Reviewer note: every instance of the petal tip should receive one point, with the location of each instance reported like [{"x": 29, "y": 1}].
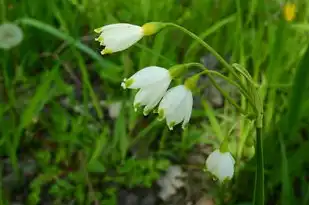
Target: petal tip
[
  {"x": 106, "y": 51},
  {"x": 171, "y": 125},
  {"x": 98, "y": 30},
  {"x": 184, "y": 126},
  {"x": 123, "y": 85}
]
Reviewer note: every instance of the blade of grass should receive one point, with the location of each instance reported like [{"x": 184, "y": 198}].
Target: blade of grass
[
  {"x": 192, "y": 48},
  {"x": 39, "y": 99},
  {"x": 3, "y": 10},
  {"x": 121, "y": 139},
  {"x": 158, "y": 46},
  {"x": 213, "y": 120},
  {"x": 297, "y": 97},
  {"x": 88, "y": 86},
  {"x": 33, "y": 108},
  {"x": 258, "y": 198},
  {"x": 99, "y": 145},
  {"x": 109, "y": 67},
  {"x": 287, "y": 192}
]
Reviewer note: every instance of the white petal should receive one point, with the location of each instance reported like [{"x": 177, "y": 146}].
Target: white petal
[
  {"x": 221, "y": 165},
  {"x": 149, "y": 75},
  {"x": 150, "y": 96},
  {"x": 231, "y": 158},
  {"x": 172, "y": 98},
  {"x": 142, "y": 96},
  {"x": 188, "y": 107},
  {"x": 117, "y": 26},
  {"x": 212, "y": 160},
  {"x": 117, "y": 43},
  {"x": 118, "y": 37},
  {"x": 225, "y": 168},
  {"x": 174, "y": 104},
  {"x": 157, "y": 94}
]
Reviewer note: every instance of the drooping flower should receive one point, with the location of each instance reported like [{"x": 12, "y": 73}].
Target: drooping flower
[
  {"x": 221, "y": 165},
  {"x": 120, "y": 36},
  {"x": 10, "y": 35},
  {"x": 176, "y": 106},
  {"x": 153, "y": 82}
]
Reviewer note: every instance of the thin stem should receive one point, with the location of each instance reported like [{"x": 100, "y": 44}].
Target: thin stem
[
  {"x": 216, "y": 54},
  {"x": 207, "y": 71},
  {"x": 2, "y": 11},
  {"x": 244, "y": 92},
  {"x": 208, "y": 47},
  {"x": 259, "y": 174},
  {"x": 225, "y": 95}
]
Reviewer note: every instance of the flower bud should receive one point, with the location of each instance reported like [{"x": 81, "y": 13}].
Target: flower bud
[{"x": 152, "y": 28}]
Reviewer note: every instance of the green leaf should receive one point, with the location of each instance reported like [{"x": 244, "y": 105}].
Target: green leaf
[
  {"x": 39, "y": 98},
  {"x": 122, "y": 141},
  {"x": 64, "y": 184},
  {"x": 287, "y": 191},
  {"x": 297, "y": 97},
  {"x": 96, "y": 166},
  {"x": 109, "y": 67}
]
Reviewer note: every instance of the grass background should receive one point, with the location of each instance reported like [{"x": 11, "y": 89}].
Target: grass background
[{"x": 53, "y": 85}]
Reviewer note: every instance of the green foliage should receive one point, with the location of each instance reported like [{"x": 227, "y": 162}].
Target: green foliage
[{"x": 55, "y": 90}]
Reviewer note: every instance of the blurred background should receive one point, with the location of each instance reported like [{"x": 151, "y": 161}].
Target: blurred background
[{"x": 69, "y": 133}]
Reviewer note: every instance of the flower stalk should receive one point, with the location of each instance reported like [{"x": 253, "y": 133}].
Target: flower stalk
[{"x": 259, "y": 174}]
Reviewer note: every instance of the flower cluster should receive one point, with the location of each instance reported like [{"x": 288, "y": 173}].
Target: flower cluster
[
  {"x": 153, "y": 82},
  {"x": 174, "y": 104}
]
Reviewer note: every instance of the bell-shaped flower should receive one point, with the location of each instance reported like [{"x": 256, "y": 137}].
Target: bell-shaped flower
[
  {"x": 120, "y": 36},
  {"x": 176, "y": 106},
  {"x": 153, "y": 83},
  {"x": 221, "y": 165}
]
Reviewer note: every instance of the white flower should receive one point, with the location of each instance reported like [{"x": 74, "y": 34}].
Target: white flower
[
  {"x": 118, "y": 37},
  {"x": 221, "y": 165},
  {"x": 10, "y": 35},
  {"x": 176, "y": 106},
  {"x": 153, "y": 82}
]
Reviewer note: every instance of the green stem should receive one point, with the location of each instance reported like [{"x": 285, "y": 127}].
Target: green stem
[
  {"x": 244, "y": 92},
  {"x": 217, "y": 55},
  {"x": 222, "y": 191},
  {"x": 208, "y": 47},
  {"x": 212, "y": 72},
  {"x": 226, "y": 96},
  {"x": 2, "y": 11},
  {"x": 259, "y": 174}
]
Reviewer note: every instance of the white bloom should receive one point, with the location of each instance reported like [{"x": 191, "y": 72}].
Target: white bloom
[
  {"x": 153, "y": 82},
  {"x": 10, "y": 35},
  {"x": 221, "y": 165},
  {"x": 118, "y": 37},
  {"x": 176, "y": 106}
]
